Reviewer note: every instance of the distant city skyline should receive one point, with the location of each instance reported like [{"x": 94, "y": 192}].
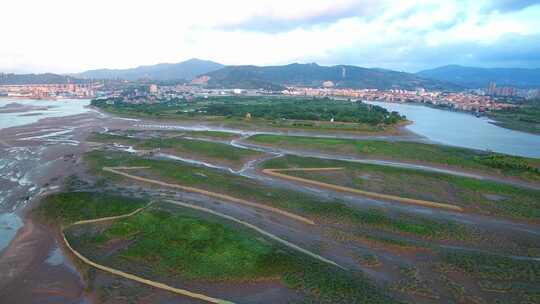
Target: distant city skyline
[{"x": 62, "y": 36}]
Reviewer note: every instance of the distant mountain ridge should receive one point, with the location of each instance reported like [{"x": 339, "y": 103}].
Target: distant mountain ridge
[
  {"x": 47, "y": 78},
  {"x": 473, "y": 77},
  {"x": 185, "y": 70},
  {"x": 314, "y": 75}
]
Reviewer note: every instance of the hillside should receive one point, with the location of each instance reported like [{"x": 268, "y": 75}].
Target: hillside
[
  {"x": 163, "y": 71},
  {"x": 314, "y": 75},
  {"x": 48, "y": 78},
  {"x": 480, "y": 77}
]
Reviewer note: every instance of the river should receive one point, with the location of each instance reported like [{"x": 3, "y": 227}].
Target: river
[
  {"x": 48, "y": 108},
  {"x": 465, "y": 130}
]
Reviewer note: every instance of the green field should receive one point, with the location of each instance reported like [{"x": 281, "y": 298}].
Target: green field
[
  {"x": 492, "y": 163},
  {"x": 180, "y": 245},
  {"x": 264, "y": 111},
  {"x": 198, "y": 149},
  {"x": 496, "y": 274},
  {"x": 70, "y": 207},
  {"x": 211, "y": 134},
  {"x": 242, "y": 187},
  {"x": 525, "y": 118},
  {"x": 477, "y": 195}
]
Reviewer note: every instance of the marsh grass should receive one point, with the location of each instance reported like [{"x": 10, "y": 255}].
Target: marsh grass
[
  {"x": 446, "y": 156},
  {"x": 481, "y": 196},
  {"x": 302, "y": 203}
]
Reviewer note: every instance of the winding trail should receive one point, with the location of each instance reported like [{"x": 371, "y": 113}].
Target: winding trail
[
  {"x": 116, "y": 170},
  {"x": 129, "y": 276},
  {"x": 259, "y": 230},
  {"x": 165, "y": 287},
  {"x": 241, "y": 143}
]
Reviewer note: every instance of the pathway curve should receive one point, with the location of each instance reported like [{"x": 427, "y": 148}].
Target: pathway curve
[
  {"x": 275, "y": 173},
  {"x": 116, "y": 170},
  {"x": 129, "y": 276}
]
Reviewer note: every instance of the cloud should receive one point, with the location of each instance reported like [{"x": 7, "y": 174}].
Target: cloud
[
  {"x": 509, "y": 5},
  {"x": 283, "y": 17},
  {"x": 399, "y": 34},
  {"x": 511, "y": 50}
]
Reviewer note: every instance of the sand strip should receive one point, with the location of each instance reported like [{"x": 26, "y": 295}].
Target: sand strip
[{"x": 275, "y": 173}]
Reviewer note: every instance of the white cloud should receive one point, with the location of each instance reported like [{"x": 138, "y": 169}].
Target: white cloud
[{"x": 70, "y": 36}]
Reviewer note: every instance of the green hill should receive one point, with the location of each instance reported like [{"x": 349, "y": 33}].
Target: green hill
[{"x": 314, "y": 75}]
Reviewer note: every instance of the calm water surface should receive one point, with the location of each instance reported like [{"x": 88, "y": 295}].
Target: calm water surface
[
  {"x": 465, "y": 130},
  {"x": 56, "y": 108}
]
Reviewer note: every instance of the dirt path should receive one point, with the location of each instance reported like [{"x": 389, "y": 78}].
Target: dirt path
[
  {"x": 275, "y": 173},
  {"x": 225, "y": 197},
  {"x": 165, "y": 287},
  {"x": 259, "y": 230},
  {"x": 129, "y": 276},
  {"x": 382, "y": 162}
]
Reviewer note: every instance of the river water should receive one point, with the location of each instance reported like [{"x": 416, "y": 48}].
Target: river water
[
  {"x": 54, "y": 108},
  {"x": 17, "y": 162},
  {"x": 465, "y": 130}
]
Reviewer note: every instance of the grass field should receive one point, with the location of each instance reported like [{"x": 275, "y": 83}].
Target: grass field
[
  {"x": 198, "y": 149},
  {"x": 492, "y": 163},
  {"x": 211, "y": 134},
  {"x": 70, "y": 207},
  {"x": 496, "y": 274},
  {"x": 182, "y": 245},
  {"x": 275, "y": 113},
  {"x": 300, "y": 203},
  {"x": 479, "y": 196},
  {"x": 524, "y": 118}
]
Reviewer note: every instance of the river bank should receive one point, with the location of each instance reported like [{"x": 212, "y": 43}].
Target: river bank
[
  {"x": 37, "y": 153},
  {"x": 465, "y": 130}
]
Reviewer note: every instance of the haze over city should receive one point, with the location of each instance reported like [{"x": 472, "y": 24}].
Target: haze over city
[{"x": 63, "y": 37}]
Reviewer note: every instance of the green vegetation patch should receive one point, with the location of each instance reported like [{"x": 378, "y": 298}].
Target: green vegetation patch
[
  {"x": 195, "y": 248},
  {"x": 521, "y": 167},
  {"x": 71, "y": 207},
  {"x": 175, "y": 244},
  {"x": 260, "y": 107},
  {"x": 298, "y": 202},
  {"x": 212, "y": 134},
  {"x": 491, "y": 266},
  {"x": 301, "y": 109},
  {"x": 198, "y": 148},
  {"x": 525, "y": 118},
  {"x": 480, "y": 195}
]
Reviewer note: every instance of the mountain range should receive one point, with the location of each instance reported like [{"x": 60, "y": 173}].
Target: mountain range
[
  {"x": 215, "y": 75},
  {"x": 314, "y": 75},
  {"x": 473, "y": 77},
  {"x": 47, "y": 78},
  {"x": 185, "y": 70}
]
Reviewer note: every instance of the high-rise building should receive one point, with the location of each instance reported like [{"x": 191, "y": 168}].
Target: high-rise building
[{"x": 492, "y": 88}]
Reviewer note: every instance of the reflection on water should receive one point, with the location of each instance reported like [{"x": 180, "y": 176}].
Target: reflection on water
[
  {"x": 56, "y": 108},
  {"x": 55, "y": 257},
  {"x": 465, "y": 130},
  {"x": 9, "y": 225}
]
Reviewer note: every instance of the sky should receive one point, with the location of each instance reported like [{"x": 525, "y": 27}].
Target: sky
[{"x": 68, "y": 36}]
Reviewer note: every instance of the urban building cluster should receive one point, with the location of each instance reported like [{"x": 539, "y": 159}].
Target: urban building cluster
[
  {"x": 153, "y": 93},
  {"x": 50, "y": 91},
  {"x": 479, "y": 100},
  {"x": 464, "y": 101}
]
